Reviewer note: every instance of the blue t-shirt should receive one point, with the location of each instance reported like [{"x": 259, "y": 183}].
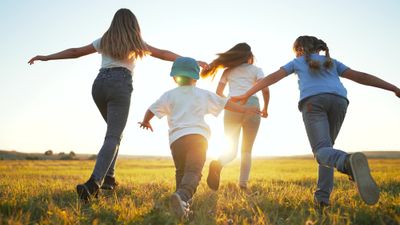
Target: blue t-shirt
[{"x": 317, "y": 82}]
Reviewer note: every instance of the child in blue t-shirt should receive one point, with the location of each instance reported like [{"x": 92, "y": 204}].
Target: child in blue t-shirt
[{"x": 323, "y": 104}]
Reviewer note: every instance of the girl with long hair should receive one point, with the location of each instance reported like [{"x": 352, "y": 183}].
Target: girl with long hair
[
  {"x": 241, "y": 75},
  {"x": 120, "y": 46}
]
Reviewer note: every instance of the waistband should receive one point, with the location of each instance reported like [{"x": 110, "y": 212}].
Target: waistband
[{"x": 120, "y": 68}]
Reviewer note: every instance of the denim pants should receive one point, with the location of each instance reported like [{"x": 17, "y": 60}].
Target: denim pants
[
  {"x": 111, "y": 92},
  {"x": 189, "y": 154},
  {"x": 235, "y": 122},
  {"x": 323, "y": 116}
]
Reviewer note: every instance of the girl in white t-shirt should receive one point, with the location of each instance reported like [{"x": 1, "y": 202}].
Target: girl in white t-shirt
[
  {"x": 241, "y": 75},
  {"x": 185, "y": 107},
  {"x": 120, "y": 46}
]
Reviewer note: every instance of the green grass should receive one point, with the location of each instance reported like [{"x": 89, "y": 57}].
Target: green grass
[{"x": 281, "y": 192}]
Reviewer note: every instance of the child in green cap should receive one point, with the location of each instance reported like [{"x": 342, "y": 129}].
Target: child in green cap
[{"x": 185, "y": 107}]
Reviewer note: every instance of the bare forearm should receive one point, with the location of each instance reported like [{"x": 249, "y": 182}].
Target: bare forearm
[
  {"x": 169, "y": 56},
  {"x": 266, "y": 81},
  {"x": 370, "y": 80},
  {"x": 265, "y": 92},
  {"x": 220, "y": 89},
  {"x": 148, "y": 116},
  {"x": 66, "y": 54}
]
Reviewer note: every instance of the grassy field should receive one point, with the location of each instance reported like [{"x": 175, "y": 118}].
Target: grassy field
[{"x": 43, "y": 192}]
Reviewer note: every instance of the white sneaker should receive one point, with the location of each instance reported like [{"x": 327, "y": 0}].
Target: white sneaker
[{"x": 179, "y": 207}]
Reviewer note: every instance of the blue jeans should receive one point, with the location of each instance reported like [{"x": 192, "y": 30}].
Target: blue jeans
[
  {"x": 235, "y": 122},
  {"x": 111, "y": 92},
  {"x": 323, "y": 116}
]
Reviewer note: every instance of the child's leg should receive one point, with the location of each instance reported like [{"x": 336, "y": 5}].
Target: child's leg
[
  {"x": 195, "y": 146},
  {"x": 179, "y": 157},
  {"x": 324, "y": 185},
  {"x": 315, "y": 117},
  {"x": 232, "y": 126},
  {"x": 316, "y": 121},
  {"x": 250, "y": 125}
]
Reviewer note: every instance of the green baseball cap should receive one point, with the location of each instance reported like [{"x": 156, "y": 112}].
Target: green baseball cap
[{"x": 186, "y": 67}]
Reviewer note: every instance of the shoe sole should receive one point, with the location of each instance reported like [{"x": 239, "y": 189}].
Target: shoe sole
[
  {"x": 213, "y": 177},
  {"x": 176, "y": 206},
  {"x": 366, "y": 185}
]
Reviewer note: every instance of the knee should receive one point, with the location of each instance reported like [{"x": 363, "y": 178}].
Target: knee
[
  {"x": 113, "y": 139},
  {"x": 321, "y": 156}
]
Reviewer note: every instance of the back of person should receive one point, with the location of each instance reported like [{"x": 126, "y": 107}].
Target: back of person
[
  {"x": 241, "y": 78},
  {"x": 313, "y": 82},
  {"x": 185, "y": 108},
  {"x": 240, "y": 74}
]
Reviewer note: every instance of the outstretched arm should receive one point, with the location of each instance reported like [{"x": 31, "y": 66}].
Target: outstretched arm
[
  {"x": 265, "y": 82},
  {"x": 145, "y": 124},
  {"x": 168, "y": 55},
  {"x": 66, "y": 54},
  {"x": 370, "y": 80}
]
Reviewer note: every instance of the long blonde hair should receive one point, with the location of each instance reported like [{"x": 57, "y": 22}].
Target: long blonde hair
[
  {"x": 236, "y": 56},
  {"x": 123, "y": 39},
  {"x": 306, "y": 45}
]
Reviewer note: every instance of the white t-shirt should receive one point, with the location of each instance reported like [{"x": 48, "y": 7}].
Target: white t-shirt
[
  {"x": 108, "y": 62},
  {"x": 185, "y": 108},
  {"x": 241, "y": 78}
]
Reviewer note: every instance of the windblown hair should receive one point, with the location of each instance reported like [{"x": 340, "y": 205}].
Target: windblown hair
[
  {"x": 123, "y": 39},
  {"x": 306, "y": 45},
  {"x": 239, "y": 54}
]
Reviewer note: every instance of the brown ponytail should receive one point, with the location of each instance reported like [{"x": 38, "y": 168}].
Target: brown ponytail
[{"x": 322, "y": 46}]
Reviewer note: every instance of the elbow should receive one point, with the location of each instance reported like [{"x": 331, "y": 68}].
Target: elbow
[{"x": 74, "y": 53}]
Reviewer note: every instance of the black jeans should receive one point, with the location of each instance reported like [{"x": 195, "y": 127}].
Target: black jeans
[
  {"x": 189, "y": 154},
  {"x": 111, "y": 92}
]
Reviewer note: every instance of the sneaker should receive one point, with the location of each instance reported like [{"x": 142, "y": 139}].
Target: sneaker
[
  {"x": 320, "y": 205},
  {"x": 109, "y": 183},
  {"x": 179, "y": 207},
  {"x": 357, "y": 168},
  {"x": 214, "y": 173},
  {"x": 243, "y": 187},
  {"x": 87, "y": 190}
]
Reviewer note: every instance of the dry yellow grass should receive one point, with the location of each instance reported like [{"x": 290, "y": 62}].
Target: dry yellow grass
[{"x": 43, "y": 192}]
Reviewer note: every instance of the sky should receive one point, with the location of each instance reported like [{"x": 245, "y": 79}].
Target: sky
[{"x": 49, "y": 105}]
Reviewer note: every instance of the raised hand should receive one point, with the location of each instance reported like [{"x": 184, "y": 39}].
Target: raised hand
[{"x": 146, "y": 126}]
